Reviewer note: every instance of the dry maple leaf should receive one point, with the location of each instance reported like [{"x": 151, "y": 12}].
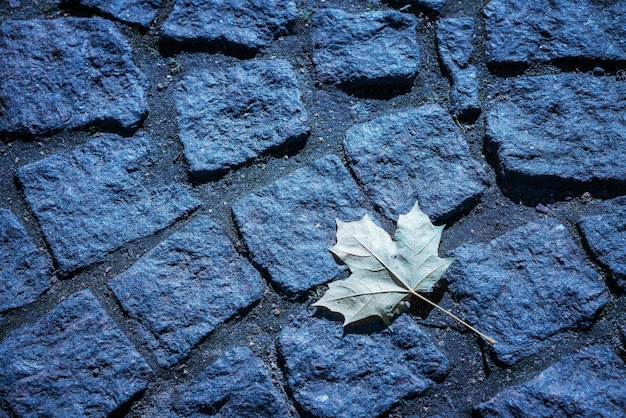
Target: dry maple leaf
[{"x": 386, "y": 272}]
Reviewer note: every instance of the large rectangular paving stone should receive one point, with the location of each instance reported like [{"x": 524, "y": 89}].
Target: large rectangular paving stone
[
  {"x": 332, "y": 373},
  {"x": 25, "y": 273},
  {"x": 415, "y": 154},
  {"x": 605, "y": 236},
  {"x": 227, "y": 118},
  {"x": 236, "y": 25},
  {"x": 560, "y": 132},
  {"x": 183, "y": 288},
  {"x": 73, "y": 362},
  {"x": 94, "y": 199},
  {"x": 289, "y": 225},
  {"x": 525, "y": 287},
  {"x": 522, "y": 31},
  {"x": 67, "y": 74},
  {"x": 591, "y": 383},
  {"x": 365, "y": 49}
]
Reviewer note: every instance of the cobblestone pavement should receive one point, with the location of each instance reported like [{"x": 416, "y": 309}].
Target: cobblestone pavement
[{"x": 171, "y": 173}]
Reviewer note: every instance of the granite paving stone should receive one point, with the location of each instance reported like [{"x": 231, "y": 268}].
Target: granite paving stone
[
  {"x": 229, "y": 117},
  {"x": 523, "y": 31},
  {"x": 237, "y": 385},
  {"x": 183, "y": 288},
  {"x": 332, "y": 373},
  {"x": 96, "y": 198},
  {"x": 525, "y": 287},
  {"x": 68, "y": 73},
  {"x": 140, "y": 12},
  {"x": 73, "y": 362},
  {"x": 236, "y": 25},
  {"x": 365, "y": 49},
  {"x": 591, "y": 383},
  {"x": 289, "y": 225},
  {"x": 415, "y": 154},
  {"x": 25, "y": 273},
  {"x": 605, "y": 236},
  {"x": 454, "y": 43},
  {"x": 560, "y": 132}
]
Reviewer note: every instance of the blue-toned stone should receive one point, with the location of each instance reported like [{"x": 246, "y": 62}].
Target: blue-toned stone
[
  {"x": 416, "y": 154},
  {"x": 605, "y": 236},
  {"x": 235, "y": 25},
  {"x": 365, "y": 49},
  {"x": 184, "y": 287},
  {"x": 464, "y": 100},
  {"x": 562, "y": 133},
  {"x": 523, "y": 31},
  {"x": 525, "y": 287},
  {"x": 94, "y": 199},
  {"x": 227, "y": 118},
  {"x": 236, "y": 385},
  {"x": 335, "y": 374},
  {"x": 454, "y": 42},
  {"x": 68, "y": 74},
  {"x": 289, "y": 225},
  {"x": 73, "y": 362},
  {"x": 140, "y": 12},
  {"x": 25, "y": 273},
  {"x": 591, "y": 383}
]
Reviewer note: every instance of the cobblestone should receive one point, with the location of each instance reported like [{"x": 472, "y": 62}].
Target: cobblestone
[
  {"x": 25, "y": 272},
  {"x": 525, "y": 287},
  {"x": 284, "y": 229},
  {"x": 336, "y": 374},
  {"x": 416, "y": 154},
  {"x": 361, "y": 49},
  {"x": 74, "y": 361},
  {"x": 227, "y": 118},
  {"x": 522, "y": 31},
  {"x": 186, "y": 286},
  {"x": 67, "y": 74},
  {"x": 237, "y": 25},
  {"x": 94, "y": 199}
]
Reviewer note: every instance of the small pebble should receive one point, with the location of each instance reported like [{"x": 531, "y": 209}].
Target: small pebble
[{"x": 542, "y": 208}]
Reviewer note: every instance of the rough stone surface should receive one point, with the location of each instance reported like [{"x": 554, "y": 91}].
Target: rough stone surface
[
  {"x": 289, "y": 225},
  {"x": 73, "y": 362},
  {"x": 416, "y": 154},
  {"x": 236, "y": 385},
  {"x": 605, "y": 236},
  {"x": 454, "y": 42},
  {"x": 522, "y": 31},
  {"x": 94, "y": 199},
  {"x": 67, "y": 74},
  {"x": 591, "y": 383},
  {"x": 464, "y": 100},
  {"x": 560, "y": 132},
  {"x": 337, "y": 374},
  {"x": 235, "y": 24},
  {"x": 525, "y": 287},
  {"x": 140, "y": 12},
  {"x": 227, "y": 118},
  {"x": 364, "y": 49},
  {"x": 183, "y": 288},
  {"x": 25, "y": 273}
]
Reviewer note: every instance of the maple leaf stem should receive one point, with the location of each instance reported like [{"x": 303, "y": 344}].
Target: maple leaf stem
[{"x": 456, "y": 318}]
